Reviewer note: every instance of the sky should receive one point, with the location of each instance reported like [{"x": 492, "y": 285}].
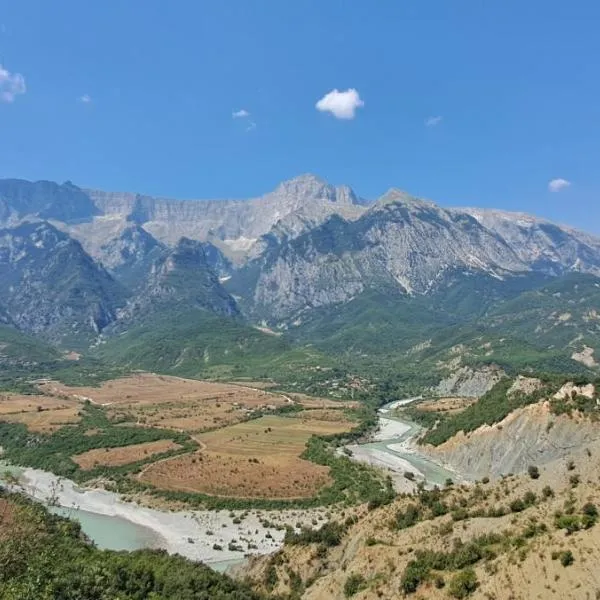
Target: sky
[{"x": 478, "y": 103}]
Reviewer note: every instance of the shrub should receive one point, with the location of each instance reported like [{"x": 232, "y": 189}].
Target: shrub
[
  {"x": 547, "y": 492},
  {"x": 463, "y": 584},
  {"x": 590, "y": 509},
  {"x": 414, "y": 573},
  {"x": 407, "y": 518},
  {"x": 533, "y": 471},
  {"x": 409, "y": 475},
  {"x": 567, "y": 558},
  {"x": 354, "y": 584},
  {"x": 574, "y": 480},
  {"x": 517, "y": 505}
]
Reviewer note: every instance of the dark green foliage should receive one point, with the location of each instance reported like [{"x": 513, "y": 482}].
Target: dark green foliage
[
  {"x": 45, "y": 557},
  {"x": 329, "y": 535},
  {"x": 463, "y": 584},
  {"x": 567, "y": 558},
  {"x": 354, "y": 584},
  {"x": 533, "y": 471},
  {"x": 571, "y": 521},
  {"x": 407, "y": 518}
]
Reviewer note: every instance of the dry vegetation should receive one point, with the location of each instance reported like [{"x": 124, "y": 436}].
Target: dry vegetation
[
  {"x": 172, "y": 402},
  {"x": 449, "y": 406},
  {"x": 115, "y": 457},
  {"x": 511, "y": 533},
  {"x": 38, "y": 413},
  {"x": 255, "y": 459}
]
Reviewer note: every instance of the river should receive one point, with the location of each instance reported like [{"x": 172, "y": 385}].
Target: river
[
  {"x": 393, "y": 449},
  {"x": 117, "y": 525}
]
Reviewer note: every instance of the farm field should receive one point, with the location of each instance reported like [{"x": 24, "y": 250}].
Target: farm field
[
  {"x": 38, "y": 413},
  {"x": 172, "y": 402},
  {"x": 255, "y": 459},
  {"x": 246, "y": 448},
  {"x": 123, "y": 455}
]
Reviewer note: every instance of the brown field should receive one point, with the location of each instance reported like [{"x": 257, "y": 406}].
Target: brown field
[
  {"x": 255, "y": 459},
  {"x": 313, "y": 402},
  {"x": 38, "y": 413},
  {"x": 115, "y": 457},
  {"x": 172, "y": 402}
]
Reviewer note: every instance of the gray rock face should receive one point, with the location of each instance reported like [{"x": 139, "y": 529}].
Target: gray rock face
[
  {"x": 45, "y": 200},
  {"x": 470, "y": 383},
  {"x": 307, "y": 244},
  {"x": 51, "y": 287},
  {"x": 300, "y": 203},
  {"x": 400, "y": 241},
  {"x": 541, "y": 244},
  {"x": 528, "y": 436},
  {"x": 179, "y": 279}
]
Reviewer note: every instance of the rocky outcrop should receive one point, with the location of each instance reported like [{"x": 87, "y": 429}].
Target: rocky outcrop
[
  {"x": 469, "y": 383},
  {"x": 528, "y": 436},
  {"x": 543, "y": 245}
]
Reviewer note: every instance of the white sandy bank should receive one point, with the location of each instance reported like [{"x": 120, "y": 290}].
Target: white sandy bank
[
  {"x": 175, "y": 528},
  {"x": 390, "y": 430}
]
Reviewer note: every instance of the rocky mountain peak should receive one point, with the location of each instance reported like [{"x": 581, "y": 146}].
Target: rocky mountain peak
[
  {"x": 400, "y": 197},
  {"x": 309, "y": 188}
]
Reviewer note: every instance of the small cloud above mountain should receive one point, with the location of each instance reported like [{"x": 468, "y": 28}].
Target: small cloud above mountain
[
  {"x": 85, "y": 99},
  {"x": 556, "y": 185},
  {"x": 240, "y": 114},
  {"x": 342, "y": 105},
  {"x": 11, "y": 85},
  {"x": 433, "y": 121}
]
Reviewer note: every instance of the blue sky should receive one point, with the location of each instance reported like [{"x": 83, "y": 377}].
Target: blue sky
[{"x": 515, "y": 88}]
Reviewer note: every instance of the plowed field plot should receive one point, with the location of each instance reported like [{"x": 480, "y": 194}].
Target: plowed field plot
[
  {"x": 39, "y": 413},
  {"x": 172, "y": 402},
  {"x": 115, "y": 457},
  {"x": 255, "y": 459}
]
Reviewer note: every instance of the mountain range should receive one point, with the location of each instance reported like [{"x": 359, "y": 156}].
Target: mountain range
[{"x": 82, "y": 267}]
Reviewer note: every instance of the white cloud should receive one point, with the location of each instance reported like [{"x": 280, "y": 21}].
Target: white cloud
[
  {"x": 556, "y": 185},
  {"x": 240, "y": 114},
  {"x": 251, "y": 126},
  {"x": 433, "y": 121},
  {"x": 85, "y": 99},
  {"x": 342, "y": 105},
  {"x": 11, "y": 85}
]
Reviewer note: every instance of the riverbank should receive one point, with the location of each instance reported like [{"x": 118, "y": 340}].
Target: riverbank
[
  {"x": 213, "y": 537},
  {"x": 393, "y": 449}
]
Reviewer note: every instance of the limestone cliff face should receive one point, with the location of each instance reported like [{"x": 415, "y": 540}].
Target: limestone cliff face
[
  {"x": 307, "y": 244},
  {"x": 400, "y": 241},
  {"x": 528, "y": 436},
  {"x": 300, "y": 202},
  {"x": 542, "y": 244}
]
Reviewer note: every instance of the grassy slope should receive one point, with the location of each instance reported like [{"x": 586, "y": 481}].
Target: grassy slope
[{"x": 196, "y": 343}]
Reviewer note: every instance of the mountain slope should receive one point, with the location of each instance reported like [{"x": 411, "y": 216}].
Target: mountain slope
[
  {"x": 21, "y": 199},
  {"x": 179, "y": 279},
  {"x": 52, "y": 288},
  {"x": 302, "y": 202}
]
